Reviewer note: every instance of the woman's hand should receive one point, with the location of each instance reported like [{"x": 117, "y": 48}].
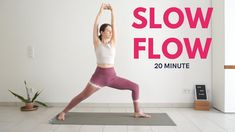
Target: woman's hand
[
  {"x": 102, "y": 7},
  {"x": 105, "y": 6},
  {"x": 109, "y": 7}
]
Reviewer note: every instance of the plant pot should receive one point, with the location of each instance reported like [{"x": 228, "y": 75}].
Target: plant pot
[
  {"x": 35, "y": 107},
  {"x": 29, "y": 106}
]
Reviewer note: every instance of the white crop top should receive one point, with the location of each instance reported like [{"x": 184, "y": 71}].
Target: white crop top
[{"x": 105, "y": 54}]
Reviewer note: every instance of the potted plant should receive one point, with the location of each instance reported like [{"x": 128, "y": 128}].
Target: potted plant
[{"x": 29, "y": 102}]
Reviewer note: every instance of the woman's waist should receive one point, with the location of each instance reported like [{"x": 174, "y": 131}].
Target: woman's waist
[
  {"x": 105, "y": 70},
  {"x": 105, "y": 65}
]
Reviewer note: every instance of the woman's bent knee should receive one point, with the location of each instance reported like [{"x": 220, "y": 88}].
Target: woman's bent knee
[{"x": 135, "y": 87}]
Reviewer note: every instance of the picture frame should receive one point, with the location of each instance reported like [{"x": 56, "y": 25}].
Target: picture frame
[{"x": 201, "y": 92}]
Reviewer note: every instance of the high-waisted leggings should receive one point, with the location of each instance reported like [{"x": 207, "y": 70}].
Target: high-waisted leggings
[{"x": 107, "y": 77}]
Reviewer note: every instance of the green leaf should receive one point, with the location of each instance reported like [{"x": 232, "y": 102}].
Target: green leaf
[
  {"x": 20, "y": 97},
  {"x": 41, "y": 103},
  {"x": 36, "y": 95}
]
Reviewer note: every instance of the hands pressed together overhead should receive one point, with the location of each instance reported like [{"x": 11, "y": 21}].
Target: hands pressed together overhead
[{"x": 106, "y": 6}]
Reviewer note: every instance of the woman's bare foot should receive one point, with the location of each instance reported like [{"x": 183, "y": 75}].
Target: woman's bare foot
[
  {"x": 61, "y": 116},
  {"x": 141, "y": 115}
]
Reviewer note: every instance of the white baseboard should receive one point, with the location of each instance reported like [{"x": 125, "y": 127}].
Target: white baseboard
[{"x": 147, "y": 105}]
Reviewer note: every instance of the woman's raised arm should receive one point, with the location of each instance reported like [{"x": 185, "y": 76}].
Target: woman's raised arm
[
  {"x": 113, "y": 23},
  {"x": 96, "y": 24}
]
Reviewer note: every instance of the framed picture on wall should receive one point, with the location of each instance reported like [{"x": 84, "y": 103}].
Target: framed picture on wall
[{"x": 200, "y": 92}]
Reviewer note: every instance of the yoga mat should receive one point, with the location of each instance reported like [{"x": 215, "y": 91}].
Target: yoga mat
[{"x": 85, "y": 118}]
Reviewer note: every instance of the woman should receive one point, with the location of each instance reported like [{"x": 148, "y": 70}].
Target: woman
[{"x": 105, "y": 75}]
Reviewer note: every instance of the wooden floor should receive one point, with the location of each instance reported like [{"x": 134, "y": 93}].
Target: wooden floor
[{"x": 187, "y": 120}]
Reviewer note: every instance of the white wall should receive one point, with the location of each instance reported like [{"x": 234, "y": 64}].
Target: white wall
[
  {"x": 60, "y": 31},
  {"x": 218, "y": 47},
  {"x": 229, "y": 32}
]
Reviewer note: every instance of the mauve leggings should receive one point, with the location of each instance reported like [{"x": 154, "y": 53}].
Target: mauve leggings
[{"x": 107, "y": 77}]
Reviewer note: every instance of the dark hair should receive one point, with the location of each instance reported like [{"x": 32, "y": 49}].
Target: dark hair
[{"x": 102, "y": 28}]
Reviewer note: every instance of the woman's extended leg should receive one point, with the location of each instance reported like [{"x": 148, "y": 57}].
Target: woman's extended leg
[
  {"x": 89, "y": 90},
  {"x": 124, "y": 84}
]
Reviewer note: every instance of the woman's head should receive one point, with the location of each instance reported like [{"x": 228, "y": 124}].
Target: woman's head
[{"x": 105, "y": 31}]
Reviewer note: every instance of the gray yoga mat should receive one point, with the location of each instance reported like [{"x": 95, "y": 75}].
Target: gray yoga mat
[{"x": 81, "y": 118}]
